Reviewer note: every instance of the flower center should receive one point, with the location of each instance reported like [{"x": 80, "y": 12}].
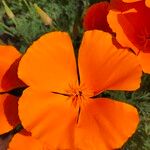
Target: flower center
[
  {"x": 76, "y": 96},
  {"x": 79, "y": 95}
]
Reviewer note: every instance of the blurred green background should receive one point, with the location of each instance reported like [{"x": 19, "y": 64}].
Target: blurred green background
[{"x": 67, "y": 15}]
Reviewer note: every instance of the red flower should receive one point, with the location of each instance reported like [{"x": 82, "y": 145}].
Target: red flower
[
  {"x": 96, "y": 17},
  {"x": 132, "y": 30}
]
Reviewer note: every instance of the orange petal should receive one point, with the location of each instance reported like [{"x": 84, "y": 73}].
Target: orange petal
[
  {"x": 120, "y": 33},
  {"x": 49, "y": 63},
  {"x": 51, "y": 120},
  {"x": 144, "y": 59},
  {"x": 105, "y": 124},
  {"x": 22, "y": 142},
  {"x": 96, "y": 17},
  {"x": 102, "y": 66},
  {"x": 8, "y": 112},
  {"x": 147, "y": 2},
  {"x": 8, "y": 68}
]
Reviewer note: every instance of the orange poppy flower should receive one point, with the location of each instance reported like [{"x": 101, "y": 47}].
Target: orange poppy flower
[
  {"x": 9, "y": 59},
  {"x": 60, "y": 110},
  {"x": 132, "y": 30}
]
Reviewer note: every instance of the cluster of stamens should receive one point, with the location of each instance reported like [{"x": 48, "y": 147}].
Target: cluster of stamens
[{"x": 76, "y": 96}]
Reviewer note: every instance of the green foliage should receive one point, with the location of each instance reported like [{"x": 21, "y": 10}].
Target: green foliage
[
  {"x": 67, "y": 16},
  {"x": 28, "y": 26}
]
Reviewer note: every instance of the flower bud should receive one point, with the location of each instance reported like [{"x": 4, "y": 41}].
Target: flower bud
[
  {"x": 44, "y": 16},
  {"x": 8, "y": 10}
]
